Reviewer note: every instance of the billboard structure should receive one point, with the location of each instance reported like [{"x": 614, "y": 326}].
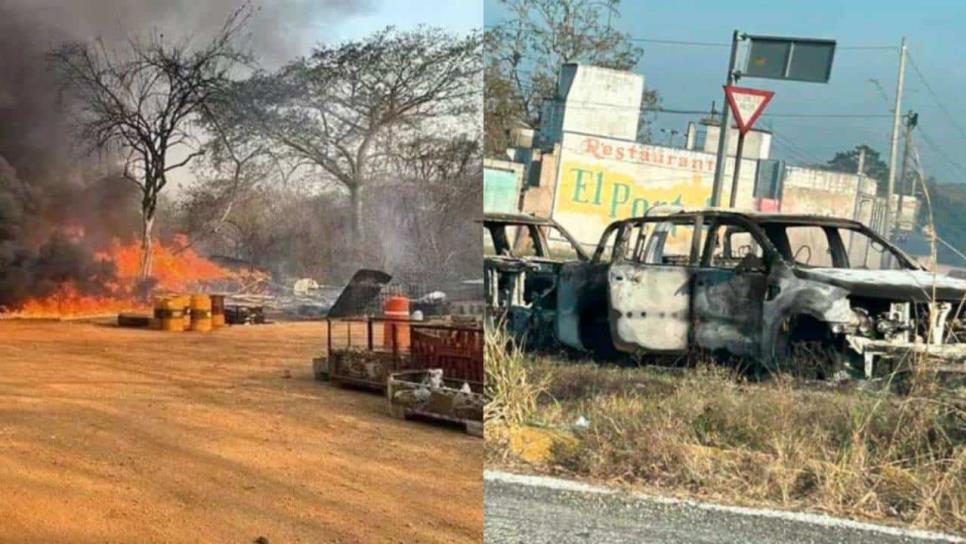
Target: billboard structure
[{"x": 601, "y": 180}]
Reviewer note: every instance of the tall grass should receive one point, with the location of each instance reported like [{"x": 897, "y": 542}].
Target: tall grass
[{"x": 512, "y": 393}]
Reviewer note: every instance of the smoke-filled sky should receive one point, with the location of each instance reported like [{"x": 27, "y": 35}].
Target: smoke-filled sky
[
  {"x": 49, "y": 192},
  {"x": 279, "y": 30}
]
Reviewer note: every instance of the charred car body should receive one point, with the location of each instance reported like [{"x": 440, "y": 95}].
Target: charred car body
[
  {"x": 522, "y": 259},
  {"x": 757, "y": 286}
]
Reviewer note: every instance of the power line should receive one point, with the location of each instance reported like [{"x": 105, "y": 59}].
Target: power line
[
  {"x": 659, "y": 41},
  {"x": 788, "y": 143},
  {"x": 789, "y": 115},
  {"x": 791, "y": 152},
  {"x": 942, "y": 154},
  {"x": 726, "y": 44},
  {"x": 828, "y": 115},
  {"x": 935, "y": 97},
  {"x": 590, "y": 104},
  {"x": 680, "y": 42}
]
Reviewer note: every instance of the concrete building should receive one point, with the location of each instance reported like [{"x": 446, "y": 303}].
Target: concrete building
[
  {"x": 586, "y": 168},
  {"x": 757, "y": 142}
]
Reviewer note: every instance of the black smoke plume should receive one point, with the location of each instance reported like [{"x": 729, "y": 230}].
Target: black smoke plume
[{"x": 58, "y": 205}]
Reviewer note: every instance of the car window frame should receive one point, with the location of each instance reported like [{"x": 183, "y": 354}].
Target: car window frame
[
  {"x": 750, "y": 227},
  {"x": 618, "y": 250}
]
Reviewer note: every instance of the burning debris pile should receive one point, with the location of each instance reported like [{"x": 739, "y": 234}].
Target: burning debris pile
[
  {"x": 55, "y": 207},
  {"x": 106, "y": 281}
]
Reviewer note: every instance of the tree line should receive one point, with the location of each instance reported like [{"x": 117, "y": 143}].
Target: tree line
[{"x": 280, "y": 157}]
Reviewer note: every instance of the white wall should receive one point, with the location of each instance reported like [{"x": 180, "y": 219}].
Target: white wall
[{"x": 595, "y": 101}]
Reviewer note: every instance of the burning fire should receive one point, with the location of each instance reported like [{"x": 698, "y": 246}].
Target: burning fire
[
  {"x": 176, "y": 267},
  {"x": 173, "y": 270}
]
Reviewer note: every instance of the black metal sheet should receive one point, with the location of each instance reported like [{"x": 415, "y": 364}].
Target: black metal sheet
[{"x": 364, "y": 286}]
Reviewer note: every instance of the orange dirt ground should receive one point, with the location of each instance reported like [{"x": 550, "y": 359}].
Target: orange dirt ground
[{"x": 125, "y": 435}]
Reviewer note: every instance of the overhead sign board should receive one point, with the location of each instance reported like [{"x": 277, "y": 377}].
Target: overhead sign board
[
  {"x": 746, "y": 105},
  {"x": 799, "y": 59}
]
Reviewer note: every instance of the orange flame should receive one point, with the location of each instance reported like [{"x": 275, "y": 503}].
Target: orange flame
[
  {"x": 175, "y": 267},
  {"x": 172, "y": 271}
]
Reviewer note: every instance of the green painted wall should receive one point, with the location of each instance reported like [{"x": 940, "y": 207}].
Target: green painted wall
[{"x": 501, "y": 190}]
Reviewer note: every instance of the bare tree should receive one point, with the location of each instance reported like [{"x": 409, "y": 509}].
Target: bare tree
[
  {"x": 433, "y": 201},
  {"x": 336, "y": 107},
  {"x": 237, "y": 160},
  {"x": 525, "y": 52},
  {"x": 141, "y": 102},
  {"x": 437, "y": 159}
]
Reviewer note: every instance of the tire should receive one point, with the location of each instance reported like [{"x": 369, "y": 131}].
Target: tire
[{"x": 807, "y": 349}]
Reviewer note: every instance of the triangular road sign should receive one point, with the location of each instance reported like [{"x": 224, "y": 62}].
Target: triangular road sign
[{"x": 746, "y": 105}]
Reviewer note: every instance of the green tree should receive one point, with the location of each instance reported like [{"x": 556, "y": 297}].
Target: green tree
[{"x": 525, "y": 52}]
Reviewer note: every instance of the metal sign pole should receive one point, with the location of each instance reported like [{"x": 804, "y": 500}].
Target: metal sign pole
[
  {"x": 723, "y": 132},
  {"x": 734, "y": 181}
]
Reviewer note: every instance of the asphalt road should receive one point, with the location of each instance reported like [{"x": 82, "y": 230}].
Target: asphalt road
[{"x": 535, "y": 510}]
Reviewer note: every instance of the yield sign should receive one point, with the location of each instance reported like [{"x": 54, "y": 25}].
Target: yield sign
[{"x": 746, "y": 105}]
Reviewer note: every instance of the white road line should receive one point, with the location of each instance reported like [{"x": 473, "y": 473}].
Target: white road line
[{"x": 559, "y": 484}]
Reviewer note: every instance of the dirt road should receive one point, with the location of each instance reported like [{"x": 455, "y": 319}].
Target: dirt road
[{"x": 123, "y": 435}]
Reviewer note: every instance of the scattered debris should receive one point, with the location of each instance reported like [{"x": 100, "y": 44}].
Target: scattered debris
[
  {"x": 245, "y": 315},
  {"x": 304, "y": 287},
  {"x": 428, "y": 393}
]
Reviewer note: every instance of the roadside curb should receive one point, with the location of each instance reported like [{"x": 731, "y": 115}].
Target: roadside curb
[{"x": 559, "y": 484}]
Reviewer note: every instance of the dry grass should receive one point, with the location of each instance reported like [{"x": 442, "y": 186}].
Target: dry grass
[
  {"x": 511, "y": 390},
  {"x": 706, "y": 431}
]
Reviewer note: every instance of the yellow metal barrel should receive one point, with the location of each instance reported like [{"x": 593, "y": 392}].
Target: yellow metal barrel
[
  {"x": 169, "y": 312},
  {"x": 200, "y": 313}
]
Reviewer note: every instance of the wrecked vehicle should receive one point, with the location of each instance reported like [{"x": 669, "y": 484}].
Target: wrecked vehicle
[
  {"x": 522, "y": 258},
  {"x": 763, "y": 287}
]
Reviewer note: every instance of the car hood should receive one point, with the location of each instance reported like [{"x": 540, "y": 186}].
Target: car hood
[{"x": 915, "y": 285}]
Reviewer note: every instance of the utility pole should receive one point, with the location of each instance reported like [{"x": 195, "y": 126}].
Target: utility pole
[
  {"x": 912, "y": 119},
  {"x": 894, "y": 147},
  {"x": 724, "y": 129},
  {"x": 857, "y": 209}
]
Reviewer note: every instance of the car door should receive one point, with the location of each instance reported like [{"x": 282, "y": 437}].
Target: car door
[
  {"x": 729, "y": 289},
  {"x": 649, "y": 290}
]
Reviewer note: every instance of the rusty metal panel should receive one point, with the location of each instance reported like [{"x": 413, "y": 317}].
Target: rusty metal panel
[
  {"x": 650, "y": 307},
  {"x": 457, "y": 350}
]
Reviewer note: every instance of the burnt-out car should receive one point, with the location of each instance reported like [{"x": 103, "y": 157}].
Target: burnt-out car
[
  {"x": 522, "y": 259},
  {"x": 757, "y": 286}
]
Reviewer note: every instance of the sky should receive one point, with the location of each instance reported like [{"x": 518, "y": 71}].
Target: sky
[
  {"x": 690, "y": 77},
  {"x": 456, "y": 15}
]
